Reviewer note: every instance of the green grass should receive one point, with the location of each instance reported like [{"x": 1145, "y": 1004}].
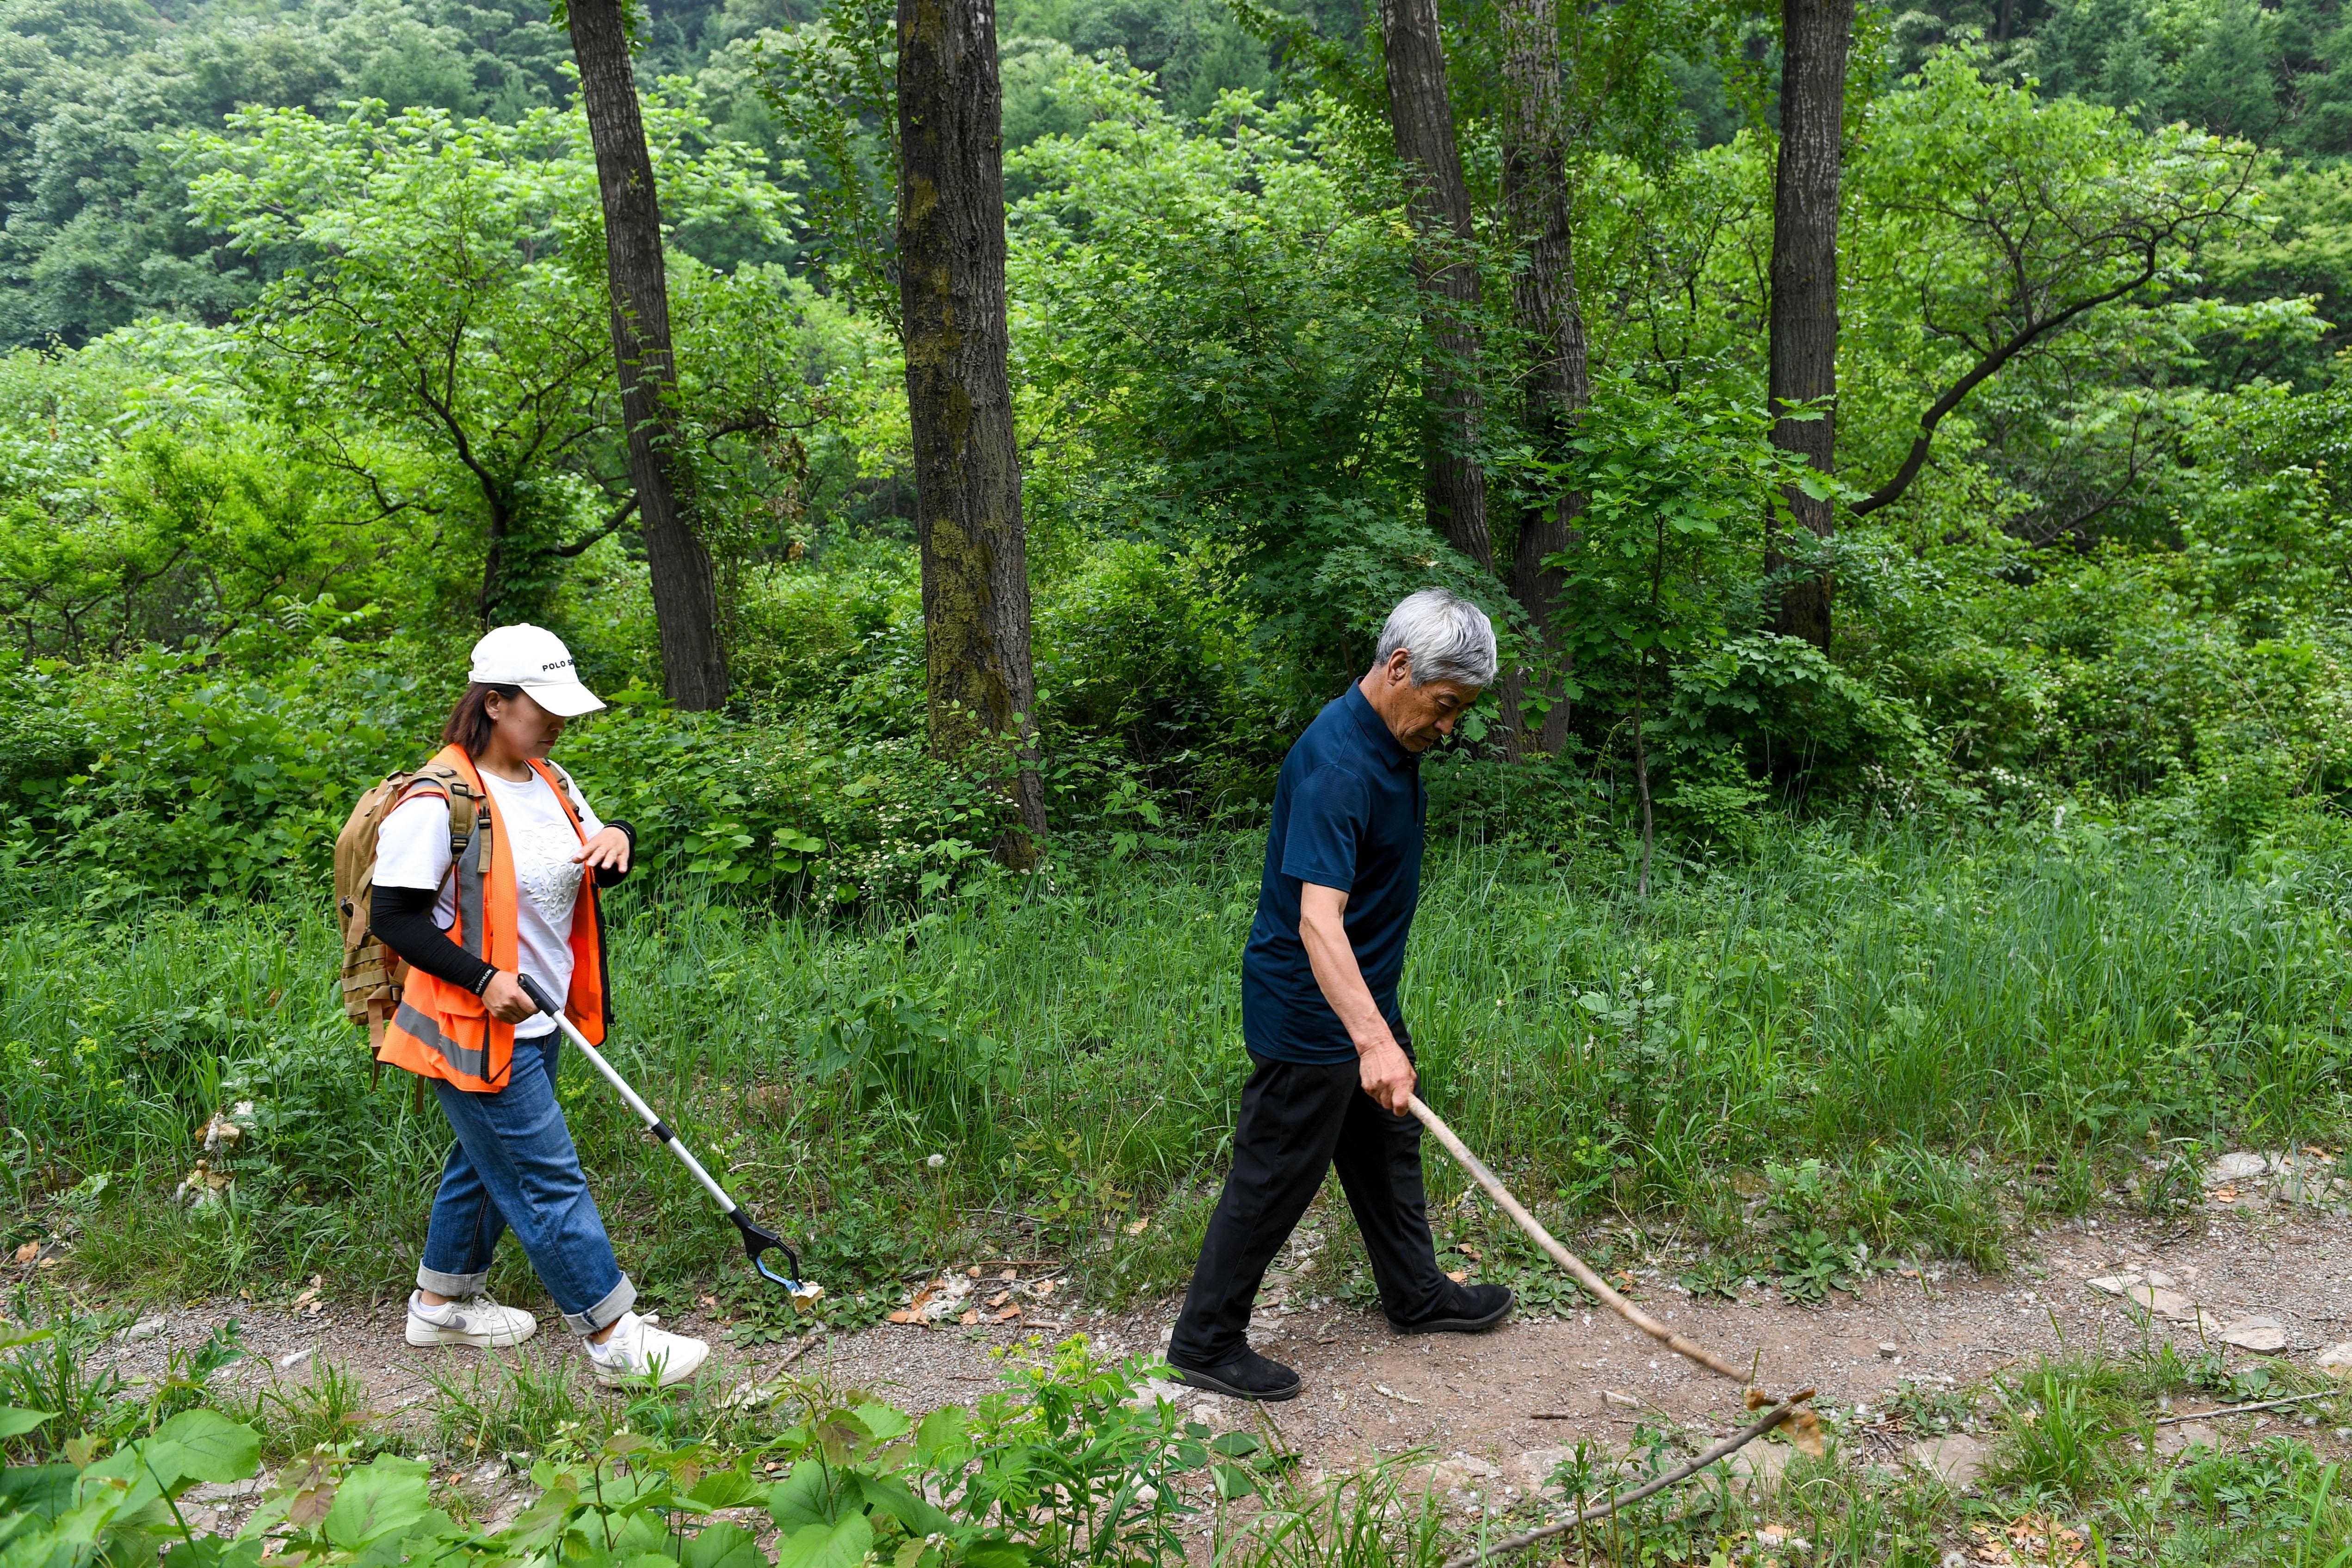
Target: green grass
[{"x": 1908, "y": 1039}]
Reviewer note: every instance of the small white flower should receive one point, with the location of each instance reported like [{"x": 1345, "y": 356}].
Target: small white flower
[{"x": 936, "y": 1160}]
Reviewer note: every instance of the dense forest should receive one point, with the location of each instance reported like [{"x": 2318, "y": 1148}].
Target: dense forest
[{"x": 310, "y": 378}]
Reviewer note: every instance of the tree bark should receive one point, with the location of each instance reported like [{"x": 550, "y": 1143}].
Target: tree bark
[
  {"x": 1543, "y": 297},
  {"x": 685, "y": 591},
  {"x": 958, "y": 395},
  {"x": 1422, "y": 117},
  {"x": 1804, "y": 320}
]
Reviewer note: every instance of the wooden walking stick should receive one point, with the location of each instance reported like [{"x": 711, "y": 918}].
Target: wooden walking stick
[
  {"x": 1577, "y": 1268},
  {"x": 1781, "y": 1410}
]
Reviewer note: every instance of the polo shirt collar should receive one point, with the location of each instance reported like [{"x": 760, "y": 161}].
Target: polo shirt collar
[{"x": 1376, "y": 730}]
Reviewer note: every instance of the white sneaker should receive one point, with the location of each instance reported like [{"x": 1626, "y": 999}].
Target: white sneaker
[
  {"x": 473, "y": 1320},
  {"x": 637, "y": 1349}
]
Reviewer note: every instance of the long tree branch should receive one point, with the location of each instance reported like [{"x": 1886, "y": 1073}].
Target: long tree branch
[
  {"x": 1892, "y": 490},
  {"x": 612, "y": 522}
]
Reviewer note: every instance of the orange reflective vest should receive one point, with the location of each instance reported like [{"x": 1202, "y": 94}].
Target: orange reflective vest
[{"x": 443, "y": 1031}]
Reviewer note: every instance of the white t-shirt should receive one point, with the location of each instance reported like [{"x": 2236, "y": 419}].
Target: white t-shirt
[{"x": 412, "y": 850}]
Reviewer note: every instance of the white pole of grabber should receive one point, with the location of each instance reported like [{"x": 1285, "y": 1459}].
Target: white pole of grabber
[
  {"x": 1576, "y": 1266},
  {"x": 660, "y": 1129}
]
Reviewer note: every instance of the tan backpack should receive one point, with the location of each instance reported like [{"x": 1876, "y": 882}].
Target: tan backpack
[{"x": 372, "y": 972}]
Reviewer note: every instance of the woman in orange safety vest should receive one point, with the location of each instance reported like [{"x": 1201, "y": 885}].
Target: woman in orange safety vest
[{"x": 517, "y": 897}]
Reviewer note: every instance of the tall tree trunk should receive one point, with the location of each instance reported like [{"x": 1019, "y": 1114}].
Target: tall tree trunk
[
  {"x": 1804, "y": 323},
  {"x": 959, "y": 395},
  {"x": 1422, "y": 117},
  {"x": 1543, "y": 296},
  {"x": 685, "y": 594}
]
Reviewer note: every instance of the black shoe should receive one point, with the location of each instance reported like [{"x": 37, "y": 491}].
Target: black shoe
[
  {"x": 1467, "y": 1310},
  {"x": 1248, "y": 1376}
]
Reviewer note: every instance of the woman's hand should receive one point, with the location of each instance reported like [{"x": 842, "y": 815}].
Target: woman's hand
[
  {"x": 505, "y": 998},
  {"x": 608, "y": 851}
]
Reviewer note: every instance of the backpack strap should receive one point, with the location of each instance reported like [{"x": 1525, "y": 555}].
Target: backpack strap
[{"x": 465, "y": 806}]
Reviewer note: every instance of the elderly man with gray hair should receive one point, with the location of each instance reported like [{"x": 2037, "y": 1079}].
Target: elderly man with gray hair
[{"x": 1333, "y": 1063}]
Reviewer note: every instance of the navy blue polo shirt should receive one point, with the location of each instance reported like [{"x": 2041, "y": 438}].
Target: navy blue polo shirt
[{"x": 1348, "y": 813}]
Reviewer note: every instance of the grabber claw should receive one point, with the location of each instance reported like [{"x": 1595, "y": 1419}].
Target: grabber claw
[{"x": 758, "y": 1242}]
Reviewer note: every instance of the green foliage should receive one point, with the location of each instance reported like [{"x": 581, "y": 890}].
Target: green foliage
[
  {"x": 54, "y": 1372},
  {"x": 446, "y": 302},
  {"x": 99, "y": 233},
  {"x": 1218, "y": 324},
  {"x": 2059, "y": 1431},
  {"x": 889, "y": 1042},
  {"x": 1064, "y": 1466}
]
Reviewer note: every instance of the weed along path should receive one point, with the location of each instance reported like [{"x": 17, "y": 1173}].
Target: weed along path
[{"x": 1901, "y": 1363}]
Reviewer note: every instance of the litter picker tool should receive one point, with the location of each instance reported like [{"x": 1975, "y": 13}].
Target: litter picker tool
[{"x": 757, "y": 1242}]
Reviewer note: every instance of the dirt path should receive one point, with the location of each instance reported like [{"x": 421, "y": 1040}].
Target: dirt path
[{"x": 1473, "y": 1402}]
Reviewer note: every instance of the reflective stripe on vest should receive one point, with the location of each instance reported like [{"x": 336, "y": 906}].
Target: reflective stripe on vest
[{"x": 426, "y": 1032}]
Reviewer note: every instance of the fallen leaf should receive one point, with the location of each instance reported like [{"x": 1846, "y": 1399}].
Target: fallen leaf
[
  {"x": 1138, "y": 1228},
  {"x": 1010, "y": 1274},
  {"x": 904, "y": 1315},
  {"x": 972, "y": 1272},
  {"x": 1805, "y": 1429},
  {"x": 1457, "y": 1275},
  {"x": 29, "y": 1251},
  {"x": 1043, "y": 1288},
  {"x": 999, "y": 1298},
  {"x": 1468, "y": 1251},
  {"x": 969, "y": 1318},
  {"x": 1007, "y": 1315},
  {"x": 2045, "y": 1540},
  {"x": 710, "y": 1303}
]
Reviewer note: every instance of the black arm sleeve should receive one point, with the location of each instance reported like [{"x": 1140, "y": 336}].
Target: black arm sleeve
[
  {"x": 606, "y": 875},
  {"x": 402, "y": 918}
]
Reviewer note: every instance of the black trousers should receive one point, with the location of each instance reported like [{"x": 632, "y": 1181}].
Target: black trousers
[{"x": 1297, "y": 1123}]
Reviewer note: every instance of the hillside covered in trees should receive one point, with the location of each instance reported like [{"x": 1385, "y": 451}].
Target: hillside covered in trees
[{"x": 309, "y": 323}]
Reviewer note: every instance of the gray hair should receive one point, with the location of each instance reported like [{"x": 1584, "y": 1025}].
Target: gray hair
[{"x": 1449, "y": 638}]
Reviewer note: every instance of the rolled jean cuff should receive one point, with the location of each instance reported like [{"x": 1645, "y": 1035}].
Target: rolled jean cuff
[
  {"x": 451, "y": 1285},
  {"x": 604, "y": 1313}
]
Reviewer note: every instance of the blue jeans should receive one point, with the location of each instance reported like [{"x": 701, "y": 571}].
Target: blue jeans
[{"x": 513, "y": 1167}]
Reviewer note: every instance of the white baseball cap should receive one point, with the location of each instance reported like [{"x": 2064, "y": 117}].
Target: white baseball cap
[{"x": 535, "y": 659}]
